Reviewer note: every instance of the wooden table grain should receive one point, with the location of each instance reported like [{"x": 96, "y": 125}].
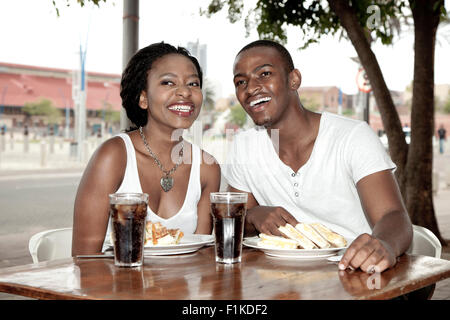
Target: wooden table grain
[{"x": 196, "y": 276}]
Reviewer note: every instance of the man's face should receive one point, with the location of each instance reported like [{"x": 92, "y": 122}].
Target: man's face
[{"x": 261, "y": 84}]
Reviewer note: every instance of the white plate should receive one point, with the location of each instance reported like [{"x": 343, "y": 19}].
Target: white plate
[
  {"x": 189, "y": 243},
  {"x": 312, "y": 254}
]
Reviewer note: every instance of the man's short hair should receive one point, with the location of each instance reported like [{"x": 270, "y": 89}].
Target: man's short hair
[{"x": 285, "y": 55}]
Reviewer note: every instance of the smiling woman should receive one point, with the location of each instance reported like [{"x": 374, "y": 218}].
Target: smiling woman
[{"x": 161, "y": 93}]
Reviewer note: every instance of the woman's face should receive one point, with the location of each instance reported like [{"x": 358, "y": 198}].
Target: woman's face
[{"x": 173, "y": 95}]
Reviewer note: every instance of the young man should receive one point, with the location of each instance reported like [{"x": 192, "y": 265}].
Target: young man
[{"x": 328, "y": 168}]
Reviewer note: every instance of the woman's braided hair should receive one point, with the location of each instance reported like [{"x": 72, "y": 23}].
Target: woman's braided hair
[{"x": 134, "y": 78}]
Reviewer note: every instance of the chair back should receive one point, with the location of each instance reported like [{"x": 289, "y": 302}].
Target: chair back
[
  {"x": 425, "y": 243},
  {"x": 51, "y": 244}
]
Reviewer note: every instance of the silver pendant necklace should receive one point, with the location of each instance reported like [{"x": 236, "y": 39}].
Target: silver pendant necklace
[{"x": 166, "y": 180}]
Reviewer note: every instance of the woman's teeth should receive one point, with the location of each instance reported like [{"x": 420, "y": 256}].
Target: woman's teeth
[
  {"x": 181, "y": 108},
  {"x": 255, "y": 102}
]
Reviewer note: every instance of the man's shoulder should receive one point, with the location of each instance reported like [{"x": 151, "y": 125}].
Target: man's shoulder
[
  {"x": 340, "y": 127},
  {"x": 338, "y": 120}
]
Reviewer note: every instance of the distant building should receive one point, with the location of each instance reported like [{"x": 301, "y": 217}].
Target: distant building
[
  {"x": 324, "y": 99},
  {"x": 401, "y": 102},
  {"x": 20, "y": 84},
  {"x": 442, "y": 92},
  {"x": 200, "y": 52}
]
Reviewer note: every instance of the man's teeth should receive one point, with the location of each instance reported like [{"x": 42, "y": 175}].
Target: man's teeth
[
  {"x": 180, "y": 108},
  {"x": 254, "y": 103}
]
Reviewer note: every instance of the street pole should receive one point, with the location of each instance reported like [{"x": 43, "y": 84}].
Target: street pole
[
  {"x": 367, "y": 108},
  {"x": 130, "y": 44},
  {"x": 81, "y": 129},
  {"x": 340, "y": 102},
  {"x": 2, "y": 104},
  {"x": 66, "y": 109}
]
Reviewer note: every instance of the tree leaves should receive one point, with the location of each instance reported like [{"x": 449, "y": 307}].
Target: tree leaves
[
  {"x": 314, "y": 18},
  {"x": 80, "y": 2}
]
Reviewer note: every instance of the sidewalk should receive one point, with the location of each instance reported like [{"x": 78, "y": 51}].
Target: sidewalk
[{"x": 45, "y": 154}]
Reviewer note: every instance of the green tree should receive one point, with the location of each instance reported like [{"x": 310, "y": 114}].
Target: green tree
[
  {"x": 363, "y": 22},
  {"x": 68, "y": 2},
  {"x": 311, "y": 104},
  {"x": 43, "y": 107},
  {"x": 237, "y": 115},
  {"x": 111, "y": 116},
  {"x": 447, "y": 106},
  {"x": 208, "y": 96}
]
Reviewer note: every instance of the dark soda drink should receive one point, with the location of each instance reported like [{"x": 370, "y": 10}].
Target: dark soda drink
[
  {"x": 229, "y": 221},
  {"x": 128, "y": 231}
]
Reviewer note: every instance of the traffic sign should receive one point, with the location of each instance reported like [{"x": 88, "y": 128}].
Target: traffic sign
[{"x": 362, "y": 81}]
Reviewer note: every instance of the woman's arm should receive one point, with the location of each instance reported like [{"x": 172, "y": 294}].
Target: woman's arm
[
  {"x": 210, "y": 181},
  {"x": 102, "y": 176}
]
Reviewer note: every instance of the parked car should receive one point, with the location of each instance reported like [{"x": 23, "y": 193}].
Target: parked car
[{"x": 407, "y": 132}]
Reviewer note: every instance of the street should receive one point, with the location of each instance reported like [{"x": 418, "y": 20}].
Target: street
[{"x": 30, "y": 204}]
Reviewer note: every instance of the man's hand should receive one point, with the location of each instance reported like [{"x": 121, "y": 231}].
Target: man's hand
[
  {"x": 267, "y": 219},
  {"x": 369, "y": 254}
]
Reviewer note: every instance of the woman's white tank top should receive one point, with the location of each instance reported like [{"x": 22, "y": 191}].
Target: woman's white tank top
[{"x": 186, "y": 218}]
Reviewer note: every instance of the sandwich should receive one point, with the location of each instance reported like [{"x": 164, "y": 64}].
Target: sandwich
[
  {"x": 275, "y": 242},
  {"x": 292, "y": 233},
  {"x": 313, "y": 235},
  {"x": 157, "y": 234},
  {"x": 332, "y": 237}
]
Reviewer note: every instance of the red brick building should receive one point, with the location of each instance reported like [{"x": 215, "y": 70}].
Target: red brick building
[
  {"x": 324, "y": 99},
  {"x": 20, "y": 84}
]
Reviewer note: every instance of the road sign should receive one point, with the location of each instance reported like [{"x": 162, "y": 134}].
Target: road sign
[{"x": 362, "y": 81}]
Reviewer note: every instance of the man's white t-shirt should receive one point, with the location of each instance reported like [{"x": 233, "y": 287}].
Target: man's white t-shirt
[{"x": 324, "y": 188}]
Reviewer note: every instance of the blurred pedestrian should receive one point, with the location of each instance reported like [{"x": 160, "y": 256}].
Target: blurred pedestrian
[{"x": 442, "y": 134}]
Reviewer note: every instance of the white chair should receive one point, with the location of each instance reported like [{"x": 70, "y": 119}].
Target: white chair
[
  {"x": 425, "y": 243},
  {"x": 51, "y": 244}
]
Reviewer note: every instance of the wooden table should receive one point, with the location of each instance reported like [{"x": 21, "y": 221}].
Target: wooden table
[{"x": 196, "y": 276}]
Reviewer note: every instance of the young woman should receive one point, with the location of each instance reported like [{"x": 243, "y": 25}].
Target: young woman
[{"x": 161, "y": 92}]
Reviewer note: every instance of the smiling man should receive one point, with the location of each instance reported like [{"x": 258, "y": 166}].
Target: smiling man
[{"x": 328, "y": 168}]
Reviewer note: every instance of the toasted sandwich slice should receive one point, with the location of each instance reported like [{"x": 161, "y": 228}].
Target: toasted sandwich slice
[
  {"x": 332, "y": 237},
  {"x": 313, "y": 235},
  {"x": 292, "y": 233},
  {"x": 157, "y": 234},
  {"x": 166, "y": 240},
  {"x": 275, "y": 242},
  {"x": 177, "y": 234}
]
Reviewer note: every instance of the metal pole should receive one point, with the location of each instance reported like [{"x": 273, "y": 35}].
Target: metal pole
[
  {"x": 366, "y": 108},
  {"x": 81, "y": 132},
  {"x": 130, "y": 44}
]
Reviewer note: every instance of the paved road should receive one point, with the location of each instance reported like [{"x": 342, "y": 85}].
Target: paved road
[{"x": 30, "y": 204}]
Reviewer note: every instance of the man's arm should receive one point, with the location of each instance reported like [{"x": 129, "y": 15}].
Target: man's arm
[
  {"x": 392, "y": 229},
  {"x": 264, "y": 219}
]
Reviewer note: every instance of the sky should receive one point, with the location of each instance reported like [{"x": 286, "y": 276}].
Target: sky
[{"x": 32, "y": 34}]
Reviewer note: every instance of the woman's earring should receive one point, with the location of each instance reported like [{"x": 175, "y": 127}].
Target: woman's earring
[{"x": 143, "y": 103}]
